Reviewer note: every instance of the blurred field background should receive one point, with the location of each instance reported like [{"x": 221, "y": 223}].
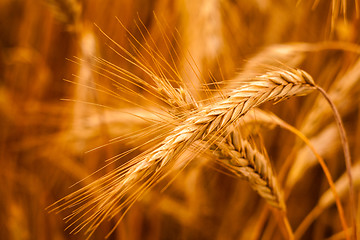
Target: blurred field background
[{"x": 45, "y": 138}]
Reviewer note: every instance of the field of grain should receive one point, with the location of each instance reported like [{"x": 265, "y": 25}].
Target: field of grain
[{"x": 185, "y": 119}]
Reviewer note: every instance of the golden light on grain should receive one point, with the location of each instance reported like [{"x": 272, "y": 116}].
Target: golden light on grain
[{"x": 156, "y": 119}]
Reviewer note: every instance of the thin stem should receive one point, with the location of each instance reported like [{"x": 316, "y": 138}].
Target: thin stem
[
  {"x": 309, "y": 219},
  {"x": 345, "y": 144},
  {"x": 284, "y": 224},
  {"x": 260, "y": 223},
  {"x": 288, "y": 226},
  {"x": 325, "y": 169}
]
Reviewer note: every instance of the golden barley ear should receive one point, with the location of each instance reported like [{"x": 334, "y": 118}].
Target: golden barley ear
[
  {"x": 248, "y": 163},
  {"x": 117, "y": 191}
]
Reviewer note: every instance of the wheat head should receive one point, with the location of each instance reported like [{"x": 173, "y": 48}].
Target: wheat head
[
  {"x": 245, "y": 161},
  {"x": 118, "y": 190}
]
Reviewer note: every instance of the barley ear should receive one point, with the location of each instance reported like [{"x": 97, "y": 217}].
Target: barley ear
[{"x": 246, "y": 162}]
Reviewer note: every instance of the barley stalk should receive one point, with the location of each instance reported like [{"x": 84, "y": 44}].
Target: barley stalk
[{"x": 327, "y": 199}]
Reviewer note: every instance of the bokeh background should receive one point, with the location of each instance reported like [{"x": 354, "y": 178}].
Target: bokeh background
[{"x": 50, "y": 117}]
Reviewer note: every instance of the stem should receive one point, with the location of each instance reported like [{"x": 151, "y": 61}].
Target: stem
[
  {"x": 260, "y": 223},
  {"x": 287, "y": 226},
  {"x": 305, "y": 224},
  {"x": 325, "y": 169},
  {"x": 284, "y": 224},
  {"x": 345, "y": 144}
]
